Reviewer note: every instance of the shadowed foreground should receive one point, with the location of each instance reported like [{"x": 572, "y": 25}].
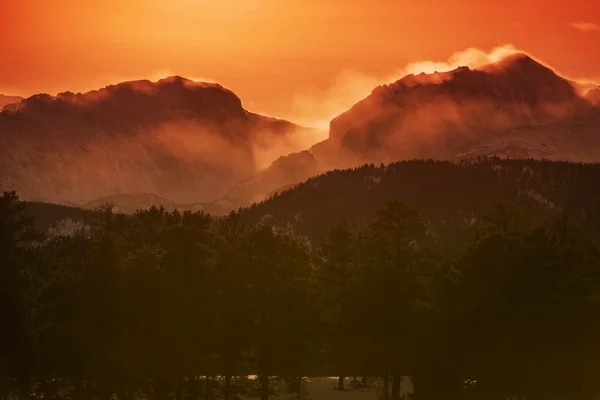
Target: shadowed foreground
[{"x": 140, "y": 306}]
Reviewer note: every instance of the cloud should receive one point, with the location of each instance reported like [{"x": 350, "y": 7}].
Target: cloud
[
  {"x": 317, "y": 109},
  {"x": 585, "y": 26},
  {"x": 470, "y": 57},
  {"x": 164, "y": 73}
]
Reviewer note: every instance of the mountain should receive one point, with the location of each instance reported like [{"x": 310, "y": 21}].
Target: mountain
[
  {"x": 451, "y": 195},
  {"x": 194, "y": 146},
  {"x": 183, "y": 140},
  {"x": 515, "y": 107},
  {"x": 574, "y": 139},
  {"x": 10, "y": 101},
  {"x": 429, "y": 115}
]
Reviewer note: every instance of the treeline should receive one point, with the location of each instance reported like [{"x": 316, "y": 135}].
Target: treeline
[
  {"x": 177, "y": 305},
  {"x": 448, "y": 194}
]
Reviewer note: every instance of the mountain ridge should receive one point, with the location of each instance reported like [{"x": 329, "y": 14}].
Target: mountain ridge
[
  {"x": 183, "y": 140},
  {"x": 194, "y": 143}
]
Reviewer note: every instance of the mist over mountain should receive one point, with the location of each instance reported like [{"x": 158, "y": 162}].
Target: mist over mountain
[
  {"x": 10, "y": 101},
  {"x": 426, "y": 115},
  {"x": 193, "y": 146},
  {"x": 182, "y": 140},
  {"x": 593, "y": 96},
  {"x": 516, "y": 108},
  {"x": 285, "y": 170}
]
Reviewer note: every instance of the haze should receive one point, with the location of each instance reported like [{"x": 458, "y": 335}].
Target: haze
[{"x": 299, "y": 60}]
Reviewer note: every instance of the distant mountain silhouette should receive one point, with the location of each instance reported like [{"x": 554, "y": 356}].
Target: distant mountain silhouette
[
  {"x": 10, "y": 101},
  {"x": 129, "y": 203},
  {"x": 192, "y": 143},
  {"x": 514, "y": 108},
  {"x": 183, "y": 140}
]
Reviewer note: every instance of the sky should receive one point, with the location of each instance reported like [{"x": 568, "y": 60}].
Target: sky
[{"x": 303, "y": 60}]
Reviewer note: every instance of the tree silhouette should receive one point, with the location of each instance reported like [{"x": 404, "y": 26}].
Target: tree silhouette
[
  {"x": 337, "y": 266},
  {"x": 180, "y": 305}
]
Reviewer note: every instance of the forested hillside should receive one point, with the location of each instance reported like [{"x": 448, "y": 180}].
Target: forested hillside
[
  {"x": 450, "y": 195},
  {"x": 48, "y": 216}
]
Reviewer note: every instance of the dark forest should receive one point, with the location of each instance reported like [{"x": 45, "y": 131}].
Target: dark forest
[{"x": 182, "y": 305}]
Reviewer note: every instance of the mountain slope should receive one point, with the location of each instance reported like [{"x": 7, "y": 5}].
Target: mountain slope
[
  {"x": 575, "y": 139},
  {"x": 428, "y": 115},
  {"x": 292, "y": 168},
  {"x": 182, "y": 140}
]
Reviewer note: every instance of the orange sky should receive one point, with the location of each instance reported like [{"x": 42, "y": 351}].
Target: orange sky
[{"x": 282, "y": 57}]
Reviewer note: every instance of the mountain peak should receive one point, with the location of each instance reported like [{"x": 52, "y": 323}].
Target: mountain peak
[
  {"x": 176, "y": 80},
  {"x": 175, "y": 85},
  {"x": 514, "y": 91},
  {"x": 173, "y": 79},
  {"x": 161, "y": 99},
  {"x": 516, "y": 62},
  {"x": 518, "y": 57}
]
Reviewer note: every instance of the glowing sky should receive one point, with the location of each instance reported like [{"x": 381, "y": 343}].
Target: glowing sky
[{"x": 286, "y": 58}]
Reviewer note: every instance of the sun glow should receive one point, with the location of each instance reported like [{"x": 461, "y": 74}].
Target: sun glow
[
  {"x": 221, "y": 11},
  {"x": 277, "y": 55}
]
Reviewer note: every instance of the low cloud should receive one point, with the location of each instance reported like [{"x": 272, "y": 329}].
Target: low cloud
[
  {"x": 164, "y": 73},
  {"x": 318, "y": 108},
  {"x": 470, "y": 57},
  {"x": 585, "y": 26}
]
